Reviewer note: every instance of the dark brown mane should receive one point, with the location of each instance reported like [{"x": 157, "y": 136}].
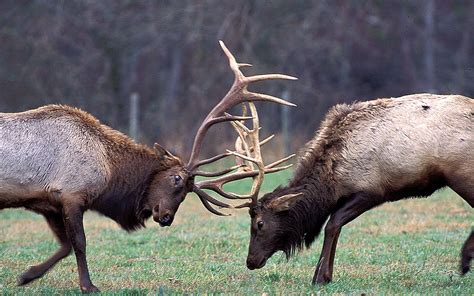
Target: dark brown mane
[
  {"x": 123, "y": 203},
  {"x": 120, "y": 200},
  {"x": 314, "y": 176},
  {"x": 302, "y": 223}
]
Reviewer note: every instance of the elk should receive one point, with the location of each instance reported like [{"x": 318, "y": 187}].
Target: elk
[
  {"x": 366, "y": 154},
  {"x": 59, "y": 162}
]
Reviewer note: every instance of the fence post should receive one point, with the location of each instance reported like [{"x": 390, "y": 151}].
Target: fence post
[{"x": 133, "y": 117}]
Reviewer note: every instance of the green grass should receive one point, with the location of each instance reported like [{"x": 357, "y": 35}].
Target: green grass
[{"x": 407, "y": 247}]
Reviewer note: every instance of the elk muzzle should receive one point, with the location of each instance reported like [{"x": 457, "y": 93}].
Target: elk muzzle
[
  {"x": 163, "y": 217},
  {"x": 256, "y": 262}
]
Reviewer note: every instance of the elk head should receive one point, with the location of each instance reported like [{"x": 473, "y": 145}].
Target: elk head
[
  {"x": 171, "y": 186},
  {"x": 168, "y": 188},
  {"x": 271, "y": 229}
]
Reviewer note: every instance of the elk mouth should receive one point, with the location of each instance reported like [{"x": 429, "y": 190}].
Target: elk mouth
[
  {"x": 163, "y": 220},
  {"x": 166, "y": 220},
  {"x": 252, "y": 265}
]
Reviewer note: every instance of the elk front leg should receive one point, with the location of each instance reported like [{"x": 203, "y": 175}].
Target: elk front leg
[
  {"x": 55, "y": 222},
  {"x": 467, "y": 253},
  {"x": 73, "y": 214},
  {"x": 351, "y": 209}
]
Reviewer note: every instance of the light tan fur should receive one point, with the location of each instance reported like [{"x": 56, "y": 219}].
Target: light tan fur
[{"x": 381, "y": 145}]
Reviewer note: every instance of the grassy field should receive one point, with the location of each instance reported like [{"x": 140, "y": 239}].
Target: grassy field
[{"x": 408, "y": 247}]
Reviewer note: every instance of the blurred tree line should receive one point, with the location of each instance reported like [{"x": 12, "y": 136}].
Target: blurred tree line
[{"x": 95, "y": 54}]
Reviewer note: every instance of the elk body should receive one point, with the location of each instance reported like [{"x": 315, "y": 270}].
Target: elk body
[
  {"x": 59, "y": 161},
  {"x": 364, "y": 155}
]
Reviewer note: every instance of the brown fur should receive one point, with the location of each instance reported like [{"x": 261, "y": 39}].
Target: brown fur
[{"x": 115, "y": 140}]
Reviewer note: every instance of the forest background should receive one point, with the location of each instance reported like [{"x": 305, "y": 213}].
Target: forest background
[{"x": 96, "y": 54}]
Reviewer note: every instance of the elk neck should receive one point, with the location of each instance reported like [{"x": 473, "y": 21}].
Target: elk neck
[
  {"x": 314, "y": 177},
  {"x": 305, "y": 219},
  {"x": 127, "y": 189}
]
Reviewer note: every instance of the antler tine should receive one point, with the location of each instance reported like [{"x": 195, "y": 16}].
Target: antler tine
[
  {"x": 241, "y": 145},
  {"x": 217, "y": 188},
  {"x": 212, "y": 159},
  {"x": 227, "y": 117},
  {"x": 256, "y": 78},
  {"x": 234, "y": 66},
  {"x": 275, "y": 163},
  {"x": 258, "y": 180},
  {"x": 209, "y": 198},
  {"x": 278, "y": 169},
  {"x": 244, "y": 65},
  {"x": 252, "y": 96},
  {"x": 219, "y": 173},
  {"x": 205, "y": 198},
  {"x": 266, "y": 140}
]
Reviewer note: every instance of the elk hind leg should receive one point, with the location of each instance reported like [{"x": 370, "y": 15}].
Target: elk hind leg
[
  {"x": 460, "y": 182},
  {"x": 55, "y": 222}
]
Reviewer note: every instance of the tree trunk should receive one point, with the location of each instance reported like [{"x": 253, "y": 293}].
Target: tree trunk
[{"x": 429, "y": 50}]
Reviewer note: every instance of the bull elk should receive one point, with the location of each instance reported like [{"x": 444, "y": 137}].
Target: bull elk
[
  {"x": 59, "y": 161},
  {"x": 366, "y": 154}
]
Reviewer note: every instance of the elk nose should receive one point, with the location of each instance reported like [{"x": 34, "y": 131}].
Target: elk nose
[
  {"x": 166, "y": 220},
  {"x": 255, "y": 263},
  {"x": 250, "y": 264}
]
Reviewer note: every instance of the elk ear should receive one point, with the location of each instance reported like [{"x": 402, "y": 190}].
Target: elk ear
[
  {"x": 284, "y": 202},
  {"x": 162, "y": 153}
]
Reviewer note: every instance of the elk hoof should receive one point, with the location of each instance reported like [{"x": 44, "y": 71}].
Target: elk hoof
[
  {"x": 321, "y": 279},
  {"x": 89, "y": 289},
  {"x": 466, "y": 258},
  {"x": 465, "y": 269},
  {"x": 23, "y": 280},
  {"x": 30, "y": 275}
]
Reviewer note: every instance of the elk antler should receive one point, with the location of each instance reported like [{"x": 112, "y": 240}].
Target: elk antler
[
  {"x": 237, "y": 94},
  {"x": 247, "y": 149}
]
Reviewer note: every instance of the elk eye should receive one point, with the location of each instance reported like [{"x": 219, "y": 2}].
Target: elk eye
[
  {"x": 177, "y": 179},
  {"x": 260, "y": 225}
]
